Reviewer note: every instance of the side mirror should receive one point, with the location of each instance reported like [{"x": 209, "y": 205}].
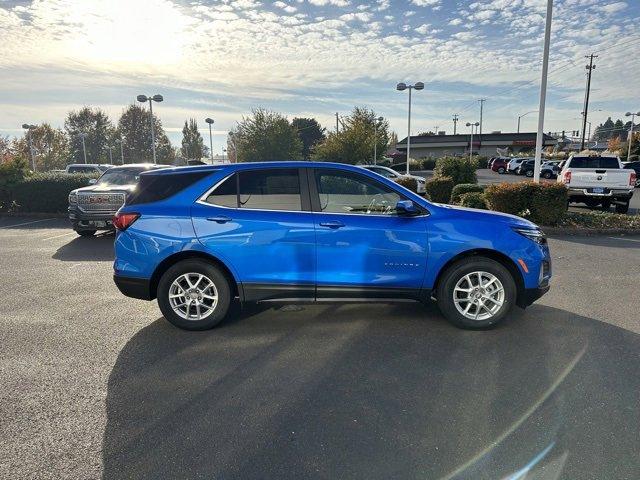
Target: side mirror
[
  {"x": 406, "y": 208},
  {"x": 92, "y": 181}
]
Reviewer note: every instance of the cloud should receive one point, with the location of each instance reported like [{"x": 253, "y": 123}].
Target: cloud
[{"x": 455, "y": 21}]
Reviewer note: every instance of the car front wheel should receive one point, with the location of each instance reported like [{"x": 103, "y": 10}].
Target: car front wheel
[
  {"x": 194, "y": 295},
  {"x": 476, "y": 293},
  {"x": 501, "y": 170}
]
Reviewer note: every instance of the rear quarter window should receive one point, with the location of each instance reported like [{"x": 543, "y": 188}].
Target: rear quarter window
[{"x": 153, "y": 188}]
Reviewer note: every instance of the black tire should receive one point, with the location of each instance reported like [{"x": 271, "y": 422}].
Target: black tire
[
  {"x": 546, "y": 175},
  {"x": 622, "y": 207},
  {"x": 210, "y": 271},
  {"x": 501, "y": 170},
  {"x": 86, "y": 233},
  {"x": 529, "y": 173},
  {"x": 456, "y": 272}
]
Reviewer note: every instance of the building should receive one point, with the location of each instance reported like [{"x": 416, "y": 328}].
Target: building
[{"x": 485, "y": 144}]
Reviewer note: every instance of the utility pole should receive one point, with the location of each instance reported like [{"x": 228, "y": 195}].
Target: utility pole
[
  {"x": 337, "y": 120},
  {"x": 482, "y": 100},
  {"x": 585, "y": 111},
  {"x": 455, "y": 122}
]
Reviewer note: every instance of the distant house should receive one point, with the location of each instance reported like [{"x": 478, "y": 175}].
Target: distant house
[{"x": 485, "y": 144}]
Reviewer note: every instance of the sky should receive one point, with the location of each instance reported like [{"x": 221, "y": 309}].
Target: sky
[{"x": 313, "y": 58}]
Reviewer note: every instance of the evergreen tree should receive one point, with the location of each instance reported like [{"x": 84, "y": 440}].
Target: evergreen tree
[
  {"x": 134, "y": 127},
  {"x": 310, "y": 132},
  {"x": 192, "y": 142},
  {"x": 96, "y": 127}
]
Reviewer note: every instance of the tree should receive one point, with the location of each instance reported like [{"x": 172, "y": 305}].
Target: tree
[
  {"x": 264, "y": 136},
  {"x": 614, "y": 144},
  {"x": 50, "y": 148},
  {"x": 192, "y": 143},
  {"x": 354, "y": 143},
  {"x": 96, "y": 127},
  {"x": 393, "y": 140},
  {"x": 310, "y": 133},
  {"x": 134, "y": 127},
  {"x": 428, "y": 133}
]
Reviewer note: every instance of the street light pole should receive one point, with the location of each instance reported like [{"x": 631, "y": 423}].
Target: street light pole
[
  {"x": 524, "y": 114},
  {"x": 403, "y": 86},
  {"x": 630, "y": 140},
  {"x": 543, "y": 92},
  {"x": 121, "y": 151},
  {"x": 472, "y": 125},
  {"x": 210, "y": 122},
  {"x": 144, "y": 99},
  {"x": 110, "y": 156},
  {"x": 375, "y": 139},
  {"x": 28, "y": 127},
  {"x": 84, "y": 147}
]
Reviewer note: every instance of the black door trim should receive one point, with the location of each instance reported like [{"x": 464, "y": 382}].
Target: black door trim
[{"x": 275, "y": 292}]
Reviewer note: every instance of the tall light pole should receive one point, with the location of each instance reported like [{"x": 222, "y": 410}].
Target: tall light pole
[
  {"x": 144, "y": 99},
  {"x": 472, "y": 125},
  {"x": 543, "y": 92},
  {"x": 28, "y": 127},
  {"x": 210, "y": 122},
  {"x": 456, "y": 117},
  {"x": 119, "y": 141},
  {"x": 375, "y": 139},
  {"x": 84, "y": 146},
  {"x": 482, "y": 100},
  {"x": 403, "y": 86},
  {"x": 523, "y": 115},
  {"x": 110, "y": 155},
  {"x": 633, "y": 117}
]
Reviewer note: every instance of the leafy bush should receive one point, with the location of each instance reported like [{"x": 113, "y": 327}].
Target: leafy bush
[
  {"x": 439, "y": 189},
  {"x": 402, "y": 166},
  {"x": 460, "y": 170},
  {"x": 481, "y": 161},
  {"x": 11, "y": 172},
  {"x": 408, "y": 182},
  {"x": 473, "y": 200},
  {"x": 428, "y": 163},
  {"x": 46, "y": 192},
  {"x": 463, "y": 188},
  {"x": 543, "y": 203}
]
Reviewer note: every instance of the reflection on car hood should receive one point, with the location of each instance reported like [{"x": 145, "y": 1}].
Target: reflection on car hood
[
  {"x": 106, "y": 188},
  {"x": 486, "y": 215}
]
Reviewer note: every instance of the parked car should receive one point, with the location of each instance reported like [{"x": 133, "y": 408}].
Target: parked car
[
  {"x": 547, "y": 170},
  {"x": 635, "y": 166},
  {"x": 395, "y": 176},
  {"x": 197, "y": 238},
  {"x": 598, "y": 180},
  {"x": 500, "y": 164},
  {"x": 92, "y": 208},
  {"x": 98, "y": 168},
  {"x": 514, "y": 163}
]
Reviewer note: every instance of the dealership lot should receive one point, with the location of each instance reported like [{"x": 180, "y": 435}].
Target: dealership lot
[{"x": 94, "y": 384}]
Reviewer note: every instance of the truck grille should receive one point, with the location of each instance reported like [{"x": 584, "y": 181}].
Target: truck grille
[{"x": 100, "y": 202}]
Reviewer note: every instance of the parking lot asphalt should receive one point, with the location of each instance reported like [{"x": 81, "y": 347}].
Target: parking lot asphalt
[
  {"x": 489, "y": 177},
  {"x": 97, "y": 385}
]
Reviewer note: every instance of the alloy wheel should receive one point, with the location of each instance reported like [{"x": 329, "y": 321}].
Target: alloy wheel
[
  {"x": 193, "y": 296},
  {"x": 478, "y": 295}
]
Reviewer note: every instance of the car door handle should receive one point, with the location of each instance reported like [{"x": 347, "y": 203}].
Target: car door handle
[
  {"x": 332, "y": 224},
  {"x": 220, "y": 219}
]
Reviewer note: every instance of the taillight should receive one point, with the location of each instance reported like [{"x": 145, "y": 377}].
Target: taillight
[
  {"x": 567, "y": 177},
  {"x": 632, "y": 179},
  {"x": 122, "y": 221}
]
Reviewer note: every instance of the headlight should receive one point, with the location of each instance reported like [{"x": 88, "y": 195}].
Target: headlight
[
  {"x": 73, "y": 198},
  {"x": 533, "y": 234}
]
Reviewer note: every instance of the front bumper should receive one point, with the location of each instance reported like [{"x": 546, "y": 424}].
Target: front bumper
[
  {"x": 134, "y": 287},
  {"x": 530, "y": 295},
  {"x": 90, "y": 221}
]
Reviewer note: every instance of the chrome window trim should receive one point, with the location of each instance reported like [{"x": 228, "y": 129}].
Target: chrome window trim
[{"x": 202, "y": 201}]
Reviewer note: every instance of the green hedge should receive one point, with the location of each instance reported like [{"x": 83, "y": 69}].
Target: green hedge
[
  {"x": 543, "y": 203},
  {"x": 46, "y": 192},
  {"x": 463, "y": 188},
  {"x": 473, "y": 200},
  {"x": 408, "y": 182},
  {"x": 428, "y": 163},
  {"x": 459, "y": 169},
  {"x": 439, "y": 189}
]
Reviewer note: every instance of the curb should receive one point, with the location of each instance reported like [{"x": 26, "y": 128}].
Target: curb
[
  {"x": 621, "y": 232},
  {"x": 33, "y": 215}
]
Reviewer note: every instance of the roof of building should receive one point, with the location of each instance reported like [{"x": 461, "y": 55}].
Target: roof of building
[{"x": 487, "y": 137}]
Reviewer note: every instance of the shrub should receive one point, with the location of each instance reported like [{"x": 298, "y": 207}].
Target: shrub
[
  {"x": 11, "y": 172},
  {"x": 460, "y": 170},
  {"x": 481, "y": 161},
  {"x": 408, "y": 182},
  {"x": 473, "y": 200},
  {"x": 428, "y": 163},
  {"x": 47, "y": 192},
  {"x": 543, "y": 203},
  {"x": 463, "y": 188},
  {"x": 402, "y": 166},
  {"x": 439, "y": 189}
]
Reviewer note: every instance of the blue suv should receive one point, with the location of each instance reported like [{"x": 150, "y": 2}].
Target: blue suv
[{"x": 197, "y": 238}]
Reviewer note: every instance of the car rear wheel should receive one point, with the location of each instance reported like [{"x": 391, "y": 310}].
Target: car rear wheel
[
  {"x": 86, "y": 233},
  {"x": 529, "y": 173},
  {"x": 501, "y": 170},
  {"x": 476, "y": 293},
  {"x": 546, "y": 175},
  {"x": 622, "y": 207},
  {"x": 194, "y": 295}
]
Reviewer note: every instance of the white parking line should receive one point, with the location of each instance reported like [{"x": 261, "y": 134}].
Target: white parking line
[
  {"x": 26, "y": 223},
  {"x": 626, "y": 239}
]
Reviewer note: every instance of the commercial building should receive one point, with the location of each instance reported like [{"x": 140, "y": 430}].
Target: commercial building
[{"x": 486, "y": 144}]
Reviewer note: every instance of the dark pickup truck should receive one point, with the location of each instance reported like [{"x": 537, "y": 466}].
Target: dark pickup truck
[{"x": 92, "y": 208}]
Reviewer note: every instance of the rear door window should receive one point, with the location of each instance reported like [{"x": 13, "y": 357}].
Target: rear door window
[{"x": 594, "y": 162}]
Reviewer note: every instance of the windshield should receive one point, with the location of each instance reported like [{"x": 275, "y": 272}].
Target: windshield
[
  {"x": 594, "y": 162},
  {"x": 123, "y": 176}
]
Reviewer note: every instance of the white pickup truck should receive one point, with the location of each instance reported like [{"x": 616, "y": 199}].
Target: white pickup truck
[{"x": 598, "y": 180}]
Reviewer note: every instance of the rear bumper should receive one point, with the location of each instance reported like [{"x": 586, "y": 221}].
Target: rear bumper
[
  {"x": 575, "y": 194},
  {"x": 134, "y": 287}
]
